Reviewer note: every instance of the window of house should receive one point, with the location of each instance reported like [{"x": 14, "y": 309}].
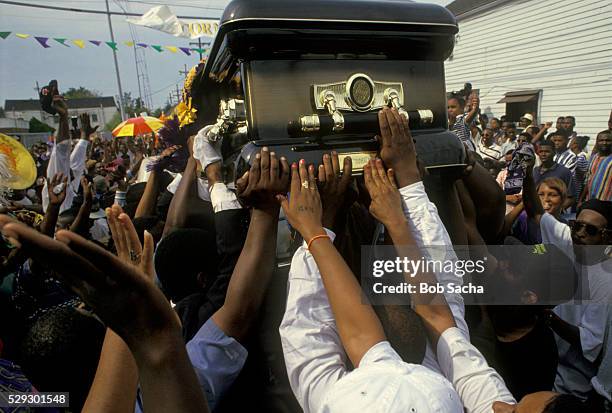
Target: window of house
[
  {"x": 519, "y": 103},
  {"x": 94, "y": 117}
]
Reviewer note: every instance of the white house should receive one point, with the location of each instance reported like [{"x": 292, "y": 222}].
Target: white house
[
  {"x": 100, "y": 110},
  {"x": 551, "y": 57}
]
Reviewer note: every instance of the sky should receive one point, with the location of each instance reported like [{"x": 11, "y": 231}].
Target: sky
[{"x": 23, "y": 62}]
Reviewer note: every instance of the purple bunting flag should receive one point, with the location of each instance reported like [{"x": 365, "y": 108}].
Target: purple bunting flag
[
  {"x": 143, "y": 45},
  {"x": 43, "y": 41},
  {"x": 185, "y": 50},
  {"x": 96, "y": 42}
]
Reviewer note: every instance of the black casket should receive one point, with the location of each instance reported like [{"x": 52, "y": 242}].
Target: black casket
[{"x": 308, "y": 77}]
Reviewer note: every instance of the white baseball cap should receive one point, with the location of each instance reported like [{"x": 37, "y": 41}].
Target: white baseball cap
[
  {"x": 527, "y": 116},
  {"x": 391, "y": 385}
]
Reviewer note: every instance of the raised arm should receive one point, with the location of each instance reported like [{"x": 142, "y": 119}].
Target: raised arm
[
  {"x": 56, "y": 193},
  {"x": 185, "y": 193},
  {"x": 115, "y": 383},
  {"x": 358, "y": 326},
  {"x": 128, "y": 303},
  {"x": 531, "y": 201},
  {"x": 267, "y": 178},
  {"x": 80, "y": 225},
  {"x": 146, "y": 206}
]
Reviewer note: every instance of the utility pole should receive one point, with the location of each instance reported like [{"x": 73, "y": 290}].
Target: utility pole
[
  {"x": 178, "y": 94},
  {"x": 184, "y": 72},
  {"x": 37, "y": 89},
  {"x": 112, "y": 35},
  {"x": 199, "y": 44}
]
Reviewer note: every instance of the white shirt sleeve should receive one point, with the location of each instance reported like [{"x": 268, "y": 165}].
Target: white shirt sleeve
[
  {"x": 59, "y": 161},
  {"x": 313, "y": 352},
  {"x": 557, "y": 234},
  {"x": 477, "y": 384},
  {"x": 428, "y": 230}
]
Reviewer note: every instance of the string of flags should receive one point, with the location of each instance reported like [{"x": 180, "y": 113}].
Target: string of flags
[{"x": 81, "y": 43}]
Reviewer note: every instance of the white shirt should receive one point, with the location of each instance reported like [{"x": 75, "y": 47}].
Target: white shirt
[
  {"x": 477, "y": 384},
  {"x": 313, "y": 352},
  {"x": 602, "y": 382},
  {"x": 576, "y": 368},
  {"x": 202, "y": 187},
  {"x": 64, "y": 161},
  {"x": 493, "y": 152}
]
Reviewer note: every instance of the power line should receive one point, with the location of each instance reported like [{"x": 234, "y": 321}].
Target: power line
[{"x": 75, "y": 10}]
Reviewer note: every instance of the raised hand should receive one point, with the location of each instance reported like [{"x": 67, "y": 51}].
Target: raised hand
[
  {"x": 86, "y": 129},
  {"x": 87, "y": 192},
  {"x": 127, "y": 244},
  {"x": 59, "y": 104},
  {"x": 386, "y": 205},
  {"x": 332, "y": 186},
  {"x": 303, "y": 208},
  {"x": 166, "y": 153},
  {"x": 267, "y": 178},
  {"x": 119, "y": 293},
  {"x": 397, "y": 147},
  {"x": 56, "y": 188}
]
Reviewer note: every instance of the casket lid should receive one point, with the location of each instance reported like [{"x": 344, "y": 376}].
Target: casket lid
[{"x": 357, "y": 11}]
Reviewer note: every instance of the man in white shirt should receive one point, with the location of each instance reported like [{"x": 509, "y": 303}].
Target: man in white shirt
[
  {"x": 580, "y": 325},
  {"x": 486, "y": 146}
]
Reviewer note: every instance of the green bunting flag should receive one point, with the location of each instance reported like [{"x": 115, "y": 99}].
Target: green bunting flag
[
  {"x": 112, "y": 45},
  {"x": 61, "y": 41},
  {"x": 4, "y": 35},
  {"x": 158, "y": 48}
]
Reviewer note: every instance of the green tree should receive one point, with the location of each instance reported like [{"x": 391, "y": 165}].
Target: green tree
[
  {"x": 113, "y": 122},
  {"x": 80, "y": 92},
  {"x": 37, "y": 126},
  {"x": 1, "y": 112}
]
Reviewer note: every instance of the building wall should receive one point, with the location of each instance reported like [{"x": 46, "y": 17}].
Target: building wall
[
  {"x": 563, "y": 47},
  {"x": 99, "y": 116}
]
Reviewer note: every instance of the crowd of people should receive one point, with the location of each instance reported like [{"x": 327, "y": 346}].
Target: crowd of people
[{"x": 136, "y": 279}]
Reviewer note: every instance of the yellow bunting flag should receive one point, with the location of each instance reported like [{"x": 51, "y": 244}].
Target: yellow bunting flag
[
  {"x": 129, "y": 43},
  {"x": 22, "y": 36},
  {"x": 173, "y": 49},
  {"x": 79, "y": 43}
]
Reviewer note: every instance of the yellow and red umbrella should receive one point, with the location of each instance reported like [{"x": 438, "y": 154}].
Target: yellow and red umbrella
[{"x": 138, "y": 126}]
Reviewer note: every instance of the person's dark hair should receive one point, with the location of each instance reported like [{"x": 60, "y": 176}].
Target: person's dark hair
[
  {"x": 60, "y": 352},
  {"x": 560, "y": 132},
  {"x": 582, "y": 141},
  {"x": 182, "y": 258},
  {"x": 132, "y": 198},
  {"x": 567, "y": 403},
  {"x": 605, "y": 132},
  {"x": 547, "y": 142},
  {"x": 509, "y": 152},
  {"x": 573, "y": 119},
  {"x": 602, "y": 207},
  {"x": 459, "y": 98}
]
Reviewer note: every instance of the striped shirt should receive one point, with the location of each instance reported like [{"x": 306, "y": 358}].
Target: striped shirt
[
  {"x": 582, "y": 168},
  {"x": 462, "y": 130},
  {"x": 567, "y": 159},
  {"x": 599, "y": 178}
]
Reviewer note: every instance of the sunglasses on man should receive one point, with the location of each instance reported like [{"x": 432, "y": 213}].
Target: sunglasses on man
[{"x": 590, "y": 229}]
